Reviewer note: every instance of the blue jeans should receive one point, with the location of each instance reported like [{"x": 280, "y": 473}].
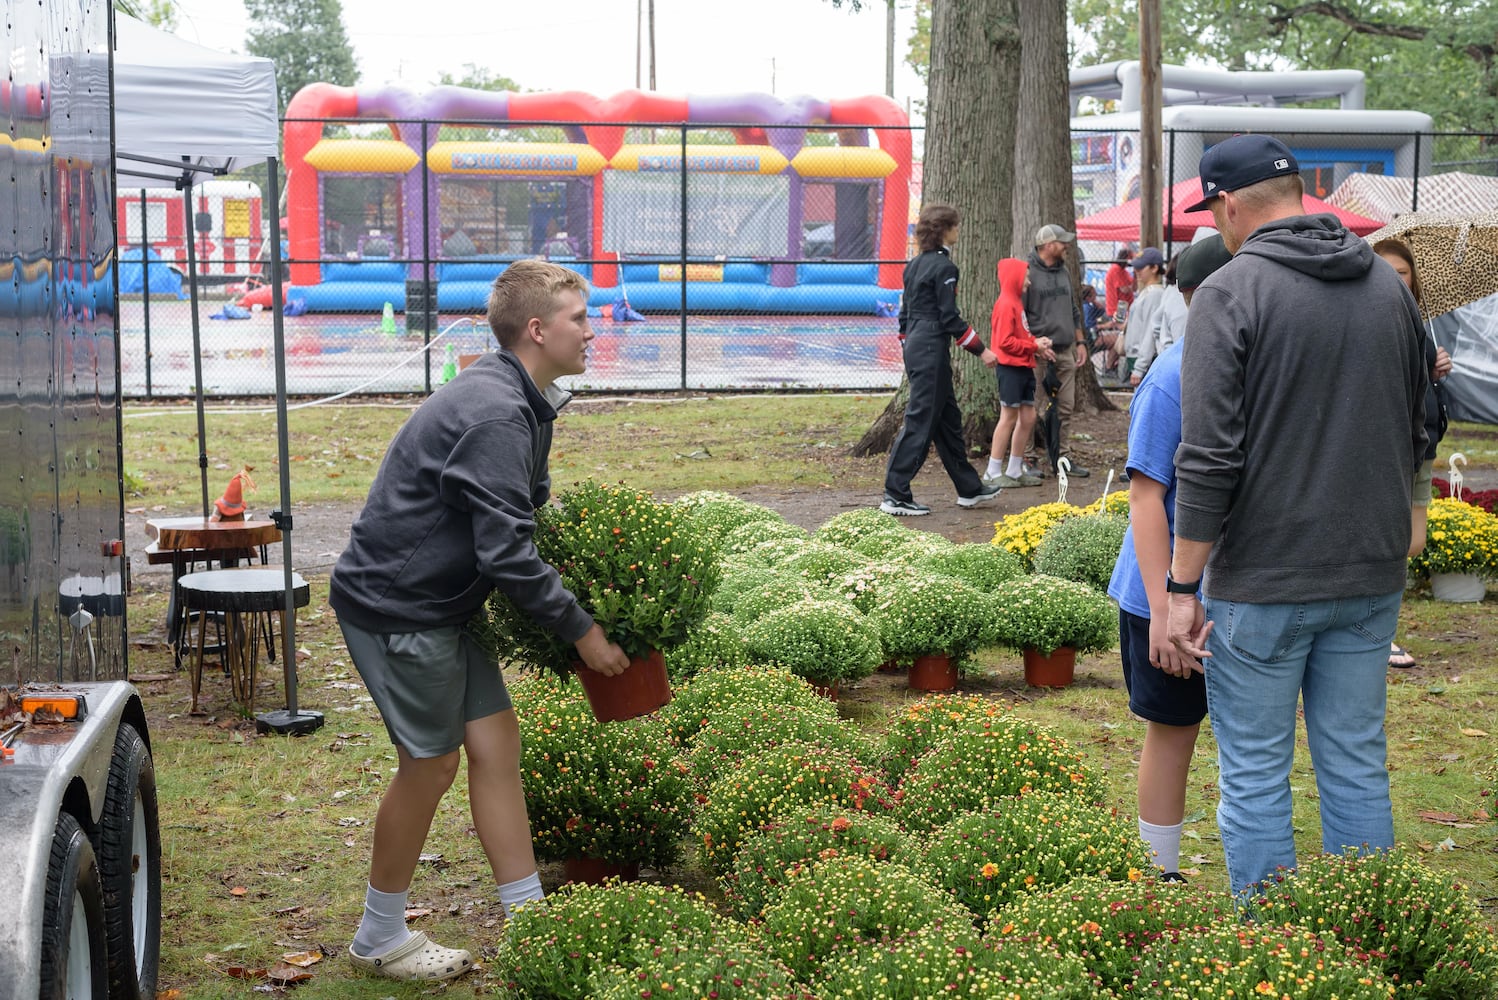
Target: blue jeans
[{"x": 1265, "y": 657}]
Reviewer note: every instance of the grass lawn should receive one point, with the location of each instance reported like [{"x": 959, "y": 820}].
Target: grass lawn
[{"x": 266, "y": 839}]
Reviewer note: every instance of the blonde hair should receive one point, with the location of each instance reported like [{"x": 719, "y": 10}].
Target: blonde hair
[
  {"x": 1272, "y": 192},
  {"x": 526, "y": 290}
]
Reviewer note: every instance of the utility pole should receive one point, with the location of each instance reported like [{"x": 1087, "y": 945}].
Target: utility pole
[
  {"x": 639, "y": 37},
  {"x": 889, "y": 51},
  {"x": 652, "y": 44},
  {"x": 1151, "y": 228}
]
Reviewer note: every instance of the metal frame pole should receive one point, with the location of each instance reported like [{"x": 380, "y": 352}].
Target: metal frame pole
[
  {"x": 197, "y": 342},
  {"x": 683, "y": 234},
  {"x": 145, "y": 281}
]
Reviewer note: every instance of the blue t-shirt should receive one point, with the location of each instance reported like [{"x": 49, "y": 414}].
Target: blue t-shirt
[{"x": 1154, "y": 434}]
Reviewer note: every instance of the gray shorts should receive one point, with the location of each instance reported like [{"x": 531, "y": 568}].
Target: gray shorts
[{"x": 427, "y": 685}]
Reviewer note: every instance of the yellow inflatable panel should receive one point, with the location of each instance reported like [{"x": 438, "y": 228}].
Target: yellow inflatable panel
[
  {"x": 27, "y": 145},
  {"x": 843, "y": 161},
  {"x": 701, "y": 159},
  {"x": 362, "y": 156},
  {"x": 546, "y": 159}
]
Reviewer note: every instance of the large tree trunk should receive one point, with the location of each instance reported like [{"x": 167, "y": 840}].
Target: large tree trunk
[{"x": 970, "y": 124}]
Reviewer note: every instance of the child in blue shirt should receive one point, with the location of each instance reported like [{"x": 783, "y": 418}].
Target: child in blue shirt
[{"x": 1165, "y": 689}]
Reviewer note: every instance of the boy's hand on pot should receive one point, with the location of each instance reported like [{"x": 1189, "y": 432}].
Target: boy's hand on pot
[{"x": 600, "y": 654}]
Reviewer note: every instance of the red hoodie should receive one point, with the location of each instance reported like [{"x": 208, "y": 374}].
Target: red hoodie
[{"x": 1010, "y": 336}]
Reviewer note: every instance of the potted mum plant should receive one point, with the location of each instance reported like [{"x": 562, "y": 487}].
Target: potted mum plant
[
  {"x": 639, "y": 569},
  {"x": 825, "y": 642},
  {"x": 1461, "y": 550},
  {"x": 934, "y": 624},
  {"x": 1050, "y": 621}
]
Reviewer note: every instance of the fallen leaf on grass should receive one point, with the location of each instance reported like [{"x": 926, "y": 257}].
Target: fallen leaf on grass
[
  {"x": 244, "y": 972},
  {"x": 414, "y": 912},
  {"x": 302, "y": 959},
  {"x": 1444, "y": 819},
  {"x": 1473, "y": 732},
  {"x": 1199, "y": 859},
  {"x": 238, "y": 890},
  {"x": 1480, "y": 814},
  {"x": 287, "y": 975},
  {"x": 1447, "y": 845}
]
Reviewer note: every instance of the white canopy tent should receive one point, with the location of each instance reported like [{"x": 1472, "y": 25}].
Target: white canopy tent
[{"x": 185, "y": 114}]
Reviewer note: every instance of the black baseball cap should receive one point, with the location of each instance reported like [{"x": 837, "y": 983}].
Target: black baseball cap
[
  {"x": 1240, "y": 161},
  {"x": 1196, "y": 263}
]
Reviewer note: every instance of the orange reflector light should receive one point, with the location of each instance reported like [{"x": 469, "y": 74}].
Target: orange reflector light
[{"x": 54, "y": 707}]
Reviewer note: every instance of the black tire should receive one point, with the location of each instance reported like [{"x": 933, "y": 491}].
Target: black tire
[
  {"x": 73, "y": 893},
  {"x": 130, "y": 869}
]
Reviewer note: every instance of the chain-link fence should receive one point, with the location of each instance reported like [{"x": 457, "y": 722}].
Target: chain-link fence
[{"x": 718, "y": 257}]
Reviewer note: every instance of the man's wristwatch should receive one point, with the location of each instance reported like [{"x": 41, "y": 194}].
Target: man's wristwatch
[{"x": 1174, "y": 586}]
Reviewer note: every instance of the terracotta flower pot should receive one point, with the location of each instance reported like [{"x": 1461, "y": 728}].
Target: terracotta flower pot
[
  {"x": 933, "y": 673},
  {"x": 889, "y": 667},
  {"x": 594, "y": 871},
  {"x": 1055, "y": 670},
  {"x": 828, "y": 691},
  {"x": 640, "y": 690}
]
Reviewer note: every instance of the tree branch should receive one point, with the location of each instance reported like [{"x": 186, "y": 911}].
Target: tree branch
[{"x": 1337, "y": 12}]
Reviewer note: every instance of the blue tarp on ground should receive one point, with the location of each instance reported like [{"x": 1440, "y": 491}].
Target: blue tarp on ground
[{"x": 164, "y": 281}]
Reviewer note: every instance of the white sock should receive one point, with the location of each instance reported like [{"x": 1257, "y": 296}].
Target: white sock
[
  {"x": 995, "y": 468},
  {"x": 1015, "y": 468},
  {"x": 525, "y": 890},
  {"x": 1165, "y": 841},
  {"x": 384, "y": 923}
]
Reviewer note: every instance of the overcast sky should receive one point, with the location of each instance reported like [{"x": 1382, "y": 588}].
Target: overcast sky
[{"x": 702, "y": 46}]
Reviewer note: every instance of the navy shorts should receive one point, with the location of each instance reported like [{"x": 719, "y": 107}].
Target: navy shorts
[
  {"x": 1016, "y": 385},
  {"x": 1154, "y": 694}
]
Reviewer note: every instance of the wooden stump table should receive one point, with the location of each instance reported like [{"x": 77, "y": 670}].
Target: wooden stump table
[{"x": 238, "y": 595}]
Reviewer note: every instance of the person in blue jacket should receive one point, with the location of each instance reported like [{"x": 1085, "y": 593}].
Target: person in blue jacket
[{"x": 929, "y": 322}]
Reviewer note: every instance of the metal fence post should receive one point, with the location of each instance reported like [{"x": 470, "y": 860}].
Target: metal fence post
[
  {"x": 428, "y": 298},
  {"x": 683, "y": 256},
  {"x": 145, "y": 281},
  {"x": 1415, "y": 174}
]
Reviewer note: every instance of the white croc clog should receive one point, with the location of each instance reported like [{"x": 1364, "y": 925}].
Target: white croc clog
[{"x": 417, "y": 960}]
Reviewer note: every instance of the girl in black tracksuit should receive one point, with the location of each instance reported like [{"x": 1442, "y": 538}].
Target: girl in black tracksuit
[{"x": 929, "y": 321}]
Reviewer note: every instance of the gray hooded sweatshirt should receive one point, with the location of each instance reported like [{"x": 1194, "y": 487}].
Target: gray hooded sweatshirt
[
  {"x": 451, "y": 513},
  {"x": 1302, "y": 418},
  {"x": 1051, "y": 306}
]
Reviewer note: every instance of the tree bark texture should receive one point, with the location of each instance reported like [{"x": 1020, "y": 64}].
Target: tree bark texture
[{"x": 969, "y": 163}]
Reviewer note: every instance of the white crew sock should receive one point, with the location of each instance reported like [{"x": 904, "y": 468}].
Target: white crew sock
[
  {"x": 1014, "y": 469},
  {"x": 995, "y": 468},
  {"x": 384, "y": 925},
  {"x": 1165, "y": 841},
  {"x": 525, "y": 890}
]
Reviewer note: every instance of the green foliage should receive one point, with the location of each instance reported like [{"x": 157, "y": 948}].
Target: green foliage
[
  {"x": 740, "y": 576},
  {"x": 867, "y": 530},
  {"x": 306, "y": 40},
  {"x": 820, "y": 640},
  {"x": 642, "y": 572},
  {"x": 987, "y": 760},
  {"x": 1083, "y": 549},
  {"x": 773, "y": 783},
  {"x": 1422, "y": 928},
  {"x": 920, "y": 725},
  {"x": 618, "y": 792},
  {"x": 980, "y": 566},
  {"x": 847, "y": 902},
  {"x": 1046, "y": 612},
  {"x": 866, "y": 586},
  {"x": 745, "y": 539},
  {"x": 1231, "y": 960},
  {"x": 717, "y": 515},
  {"x": 931, "y": 615},
  {"x": 769, "y": 856},
  {"x": 776, "y": 594},
  {"x": 712, "y": 692},
  {"x": 552, "y": 950},
  {"x": 1107, "y": 922},
  {"x": 1028, "y": 843},
  {"x": 822, "y": 564},
  {"x": 954, "y": 963},
  {"x": 724, "y": 969},
  {"x": 715, "y": 642},
  {"x": 735, "y": 732}
]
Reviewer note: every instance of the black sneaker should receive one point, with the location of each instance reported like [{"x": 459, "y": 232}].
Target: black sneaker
[
  {"x": 904, "y": 508},
  {"x": 1077, "y": 472},
  {"x": 1173, "y": 877},
  {"x": 1031, "y": 469},
  {"x": 987, "y": 492}
]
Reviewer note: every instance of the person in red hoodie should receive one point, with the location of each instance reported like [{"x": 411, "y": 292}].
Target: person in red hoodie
[{"x": 1017, "y": 348}]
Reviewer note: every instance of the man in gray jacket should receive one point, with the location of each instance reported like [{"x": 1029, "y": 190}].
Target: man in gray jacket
[
  {"x": 1302, "y": 421},
  {"x": 450, "y": 517},
  {"x": 1052, "y": 310}
]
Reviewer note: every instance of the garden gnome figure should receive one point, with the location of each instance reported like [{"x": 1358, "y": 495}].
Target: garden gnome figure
[{"x": 230, "y": 506}]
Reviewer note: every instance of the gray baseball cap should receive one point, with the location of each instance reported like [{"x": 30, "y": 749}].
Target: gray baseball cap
[{"x": 1053, "y": 232}]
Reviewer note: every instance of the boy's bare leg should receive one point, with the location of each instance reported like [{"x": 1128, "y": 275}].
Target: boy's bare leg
[
  {"x": 496, "y": 797},
  {"x": 405, "y": 817}
]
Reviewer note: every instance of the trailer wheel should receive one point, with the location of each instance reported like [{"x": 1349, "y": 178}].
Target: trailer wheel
[
  {"x": 130, "y": 869},
  {"x": 73, "y": 941}
]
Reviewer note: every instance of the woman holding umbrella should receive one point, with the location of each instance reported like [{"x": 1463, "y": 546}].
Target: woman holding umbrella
[{"x": 1399, "y": 256}]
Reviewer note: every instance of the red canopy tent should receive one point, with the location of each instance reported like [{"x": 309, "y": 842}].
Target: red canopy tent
[{"x": 1120, "y": 224}]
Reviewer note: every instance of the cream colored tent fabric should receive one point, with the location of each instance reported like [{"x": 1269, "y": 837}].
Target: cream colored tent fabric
[{"x": 1389, "y": 197}]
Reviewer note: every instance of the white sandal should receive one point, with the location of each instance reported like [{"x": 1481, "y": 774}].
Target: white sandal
[{"x": 416, "y": 960}]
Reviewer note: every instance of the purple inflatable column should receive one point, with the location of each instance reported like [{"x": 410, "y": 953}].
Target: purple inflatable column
[{"x": 783, "y": 274}]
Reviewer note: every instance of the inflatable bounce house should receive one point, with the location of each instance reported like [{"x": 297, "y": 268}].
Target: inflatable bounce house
[{"x": 801, "y": 206}]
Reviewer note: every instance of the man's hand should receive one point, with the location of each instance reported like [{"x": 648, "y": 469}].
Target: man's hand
[
  {"x": 1080, "y": 349},
  {"x": 600, "y": 654},
  {"x": 989, "y": 358},
  {"x": 1187, "y": 628}
]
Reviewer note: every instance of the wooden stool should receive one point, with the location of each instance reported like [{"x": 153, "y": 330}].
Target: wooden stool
[{"x": 235, "y": 593}]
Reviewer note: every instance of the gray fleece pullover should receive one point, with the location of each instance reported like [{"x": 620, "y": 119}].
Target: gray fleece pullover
[
  {"x": 1051, "y": 305},
  {"x": 1302, "y": 418},
  {"x": 451, "y": 513}
]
